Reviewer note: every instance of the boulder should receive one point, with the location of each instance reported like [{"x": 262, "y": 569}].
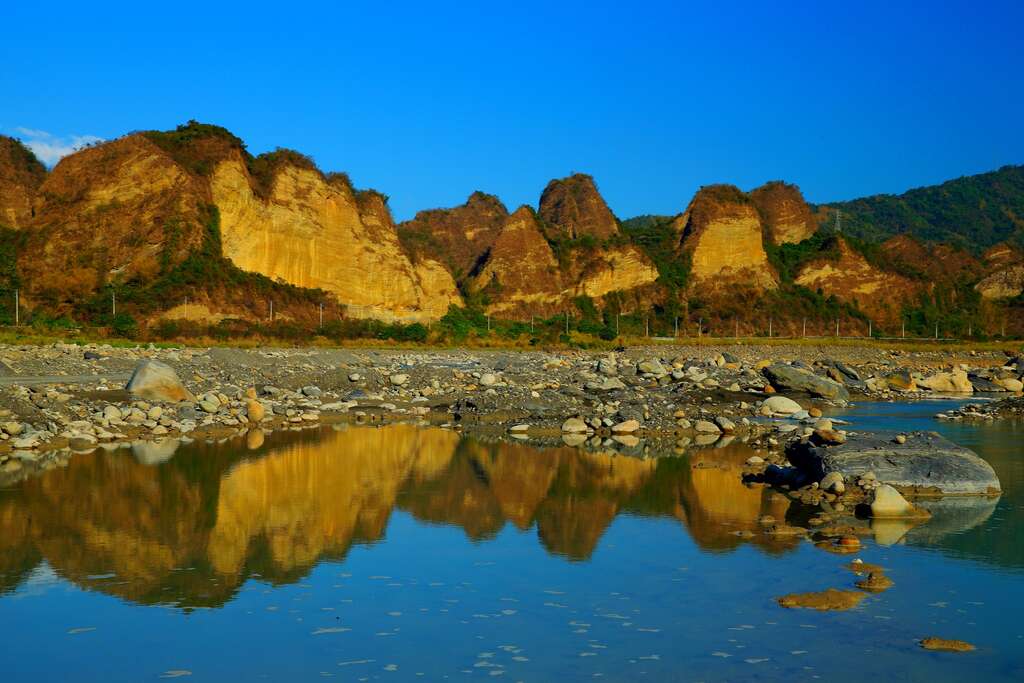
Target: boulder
[
  {"x": 156, "y": 381},
  {"x": 926, "y": 462},
  {"x": 399, "y": 379},
  {"x": 789, "y": 378},
  {"x": 1010, "y": 384},
  {"x": 955, "y": 382},
  {"x": 983, "y": 383},
  {"x": 901, "y": 381},
  {"x": 779, "y": 405},
  {"x": 651, "y": 367}
]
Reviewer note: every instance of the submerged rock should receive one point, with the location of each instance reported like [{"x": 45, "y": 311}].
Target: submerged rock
[
  {"x": 828, "y": 600},
  {"x": 927, "y": 462},
  {"x": 945, "y": 645}
]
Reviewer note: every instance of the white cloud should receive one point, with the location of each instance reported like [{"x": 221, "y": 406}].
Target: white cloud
[{"x": 51, "y": 148}]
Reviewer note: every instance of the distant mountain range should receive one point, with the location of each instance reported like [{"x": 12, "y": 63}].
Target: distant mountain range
[{"x": 187, "y": 225}]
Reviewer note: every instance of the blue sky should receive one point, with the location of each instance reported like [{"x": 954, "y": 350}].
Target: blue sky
[{"x": 430, "y": 101}]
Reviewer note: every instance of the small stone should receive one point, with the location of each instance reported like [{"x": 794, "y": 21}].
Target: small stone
[
  {"x": 488, "y": 379},
  {"x": 399, "y": 379},
  {"x": 900, "y": 438},
  {"x": 889, "y": 503},
  {"x": 254, "y": 410},
  {"x": 574, "y": 425},
  {"x": 833, "y": 482},
  {"x": 705, "y": 427},
  {"x": 626, "y": 427}
]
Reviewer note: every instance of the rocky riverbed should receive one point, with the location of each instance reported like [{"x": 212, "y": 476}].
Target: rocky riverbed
[{"x": 58, "y": 399}]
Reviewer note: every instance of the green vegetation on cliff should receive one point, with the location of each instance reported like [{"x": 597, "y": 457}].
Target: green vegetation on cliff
[{"x": 973, "y": 212}]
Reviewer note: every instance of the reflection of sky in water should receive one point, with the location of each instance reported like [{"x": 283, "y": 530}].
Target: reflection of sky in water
[{"x": 387, "y": 554}]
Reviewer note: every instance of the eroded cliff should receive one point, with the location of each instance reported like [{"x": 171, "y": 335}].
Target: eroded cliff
[
  {"x": 574, "y": 208},
  {"x": 21, "y": 174},
  {"x": 316, "y": 232},
  {"x": 458, "y": 237},
  {"x": 786, "y": 216},
  {"x": 721, "y": 233}
]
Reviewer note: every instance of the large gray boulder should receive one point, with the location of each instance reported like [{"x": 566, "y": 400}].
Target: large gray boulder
[
  {"x": 926, "y": 464},
  {"x": 788, "y": 378},
  {"x": 156, "y": 381}
]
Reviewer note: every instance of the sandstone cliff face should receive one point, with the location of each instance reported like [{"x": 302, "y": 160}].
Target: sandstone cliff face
[
  {"x": 117, "y": 212},
  {"x": 521, "y": 272},
  {"x": 459, "y": 237},
  {"x": 787, "y": 216},
  {"x": 1005, "y": 265},
  {"x": 721, "y": 232},
  {"x": 575, "y": 208},
  {"x": 319, "y": 234},
  {"x": 852, "y": 279},
  {"x": 21, "y": 174},
  {"x": 615, "y": 269}
]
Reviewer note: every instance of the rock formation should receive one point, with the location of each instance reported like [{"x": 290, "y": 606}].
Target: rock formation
[
  {"x": 123, "y": 210},
  {"x": 574, "y": 208},
  {"x": 786, "y": 215},
  {"x": 721, "y": 232},
  {"x": 21, "y": 174},
  {"x": 458, "y": 237},
  {"x": 521, "y": 271},
  {"x": 1005, "y": 267},
  {"x": 849, "y": 277},
  {"x": 318, "y": 233}
]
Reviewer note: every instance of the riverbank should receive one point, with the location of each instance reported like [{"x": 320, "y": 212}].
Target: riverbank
[{"x": 67, "y": 397}]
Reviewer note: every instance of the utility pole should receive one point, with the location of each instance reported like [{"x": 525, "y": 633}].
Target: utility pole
[
  {"x": 677, "y": 327},
  {"x": 17, "y": 312},
  {"x": 616, "y": 324},
  {"x": 567, "y": 323},
  {"x": 869, "y": 329},
  {"x": 837, "y": 328},
  {"x": 647, "y": 326},
  {"x": 700, "y": 327},
  {"x": 113, "y": 304},
  {"x": 769, "y": 328},
  {"x": 839, "y": 227},
  {"x": 531, "y": 324},
  {"x": 936, "y": 330},
  {"x": 736, "y": 328},
  {"x": 321, "y": 314},
  {"x": 489, "y": 324},
  {"x": 805, "y": 327},
  {"x": 903, "y": 328},
  {"x": 271, "y": 310}
]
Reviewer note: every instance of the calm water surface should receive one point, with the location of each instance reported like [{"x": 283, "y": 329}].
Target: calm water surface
[{"x": 408, "y": 554}]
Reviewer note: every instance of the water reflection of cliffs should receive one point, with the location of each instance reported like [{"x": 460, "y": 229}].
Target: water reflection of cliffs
[{"x": 190, "y": 530}]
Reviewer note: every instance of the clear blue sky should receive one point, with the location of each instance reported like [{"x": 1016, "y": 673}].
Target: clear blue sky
[{"x": 430, "y": 101}]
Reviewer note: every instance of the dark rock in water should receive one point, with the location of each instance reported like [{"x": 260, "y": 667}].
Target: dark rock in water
[
  {"x": 790, "y": 378},
  {"x": 983, "y": 383},
  {"x": 786, "y": 476},
  {"x": 91, "y": 355},
  {"x": 927, "y": 462}
]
